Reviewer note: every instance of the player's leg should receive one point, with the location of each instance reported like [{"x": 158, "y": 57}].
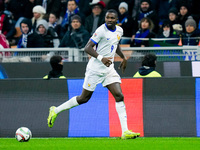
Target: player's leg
[
  {"x": 74, "y": 101},
  {"x": 116, "y": 91}
]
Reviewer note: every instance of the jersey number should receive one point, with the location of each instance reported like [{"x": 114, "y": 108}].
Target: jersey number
[{"x": 112, "y": 47}]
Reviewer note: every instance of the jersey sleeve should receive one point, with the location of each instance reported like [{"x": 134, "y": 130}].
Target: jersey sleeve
[{"x": 96, "y": 37}]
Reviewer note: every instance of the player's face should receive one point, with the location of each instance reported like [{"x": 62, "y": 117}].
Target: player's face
[
  {"x": 24, "y": 28},
  {"x": 111, "y": 20}
]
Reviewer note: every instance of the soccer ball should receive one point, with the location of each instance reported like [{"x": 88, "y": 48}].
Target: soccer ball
[{"x": 23, "y": 134}]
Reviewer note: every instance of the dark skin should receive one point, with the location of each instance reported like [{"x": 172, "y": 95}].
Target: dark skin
[{"x": 114, "y": 88}]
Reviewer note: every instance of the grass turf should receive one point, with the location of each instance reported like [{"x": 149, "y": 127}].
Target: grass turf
[{"x": 101, "y": 144}]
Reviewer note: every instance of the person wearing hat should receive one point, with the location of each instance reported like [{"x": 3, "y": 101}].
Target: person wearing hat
[
  {"x": 184, "y": 12},
  {"x": 50, "y": 6},
  {"x": 29, "y": 39},
  {"x": 57, "y": 67},
  {"x": 97, "y": 17},
  {"x": 191, "y": 31},
  {"x": 49, "y": 36},
  {"x": 172, "y": 15},
  {"x": 77, "y": 37},
  {"x": 71, "y": 10},
  {"x": 38, "y": 14},
  {"x": 147, "y": 11},
  {"x": 126, "y": 22}
]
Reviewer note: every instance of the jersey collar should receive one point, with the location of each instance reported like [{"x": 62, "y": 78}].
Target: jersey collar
[{"x": 109, "y": 29}]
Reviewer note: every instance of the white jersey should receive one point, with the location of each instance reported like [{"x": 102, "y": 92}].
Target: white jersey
[{"x": 106, "y": 44}]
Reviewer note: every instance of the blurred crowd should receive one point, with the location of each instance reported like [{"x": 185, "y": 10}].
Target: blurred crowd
[{"x": 70, "y": 23}]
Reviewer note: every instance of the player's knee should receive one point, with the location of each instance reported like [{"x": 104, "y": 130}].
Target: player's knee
[
  {"x": 82, "y": 100},
  {"x": 119, "y": 97}
]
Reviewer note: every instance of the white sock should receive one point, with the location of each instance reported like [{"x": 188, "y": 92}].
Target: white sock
[
  {"x": 67, "y": 105},
  {"x": 121, "y": 110}
]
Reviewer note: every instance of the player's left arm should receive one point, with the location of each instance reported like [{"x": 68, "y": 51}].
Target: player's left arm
[{"x": 124, "y": 61}]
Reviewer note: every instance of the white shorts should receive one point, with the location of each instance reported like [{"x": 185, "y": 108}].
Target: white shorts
[{"x": 93, "y": 78}]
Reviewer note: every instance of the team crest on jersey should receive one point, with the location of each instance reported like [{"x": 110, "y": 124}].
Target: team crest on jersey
[
  {"x": 89, "y": 85},
  {"x": 118, "y": 37},
  {"x": 95, "y": 34}
]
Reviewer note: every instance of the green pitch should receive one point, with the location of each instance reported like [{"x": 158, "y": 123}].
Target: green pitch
[{"x": 101, "y": 144}]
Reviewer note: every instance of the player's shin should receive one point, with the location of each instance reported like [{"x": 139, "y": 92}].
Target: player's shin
[
  {"x": 67, "y": 105},
  {"x": 121, "y": 110}
]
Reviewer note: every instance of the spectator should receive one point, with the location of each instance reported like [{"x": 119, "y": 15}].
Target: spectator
[
  {"x": 126, "y": 22},
  {"x": 167, "y": 32},
  {"x": 147, "y": 11},
  {"x": 114, "y": 4},
  {"x": 29, "y": 39},
  {"x": 72, "y": 9},
  {"x": 148, "y": 67},
  {"x": 49, "y": 6},
  {"x": 97, "y": 18},
  {"x": 183, "y": 14},
  {"x": 191, "y": 32},
  {"x": 77, "y": 37},
  {"x": 7, "y": 24},
  {"x": 53, "y": 23},
  {"x": 145, "y": 31},
  {"x": 49, "y": 36},
  {"x": 57, "y": 67},
  {"x": 173, "y": 15},
  {"x": 38, "y": 14}
]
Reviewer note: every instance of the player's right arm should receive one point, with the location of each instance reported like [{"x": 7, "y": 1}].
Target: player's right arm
[{"x": 90, "y": 50}]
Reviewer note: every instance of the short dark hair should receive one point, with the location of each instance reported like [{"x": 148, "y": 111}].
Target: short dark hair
[
  {"x": 149, "y": 60},
  {"x": 55, "y": 60},
  {"x": 55, "y": 14},
  {"x": 112, "y": 11},
  {"x": 72, "y": 0},
  {"x": 76, "y": 17}
]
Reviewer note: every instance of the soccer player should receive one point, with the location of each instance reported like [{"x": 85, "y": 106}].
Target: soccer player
[{"x": 100, "y": 69}]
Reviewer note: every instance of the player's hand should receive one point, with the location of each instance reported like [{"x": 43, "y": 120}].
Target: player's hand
[
  {"x": 107, "y": 61},
  {"x": 123, "y": 65}
]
